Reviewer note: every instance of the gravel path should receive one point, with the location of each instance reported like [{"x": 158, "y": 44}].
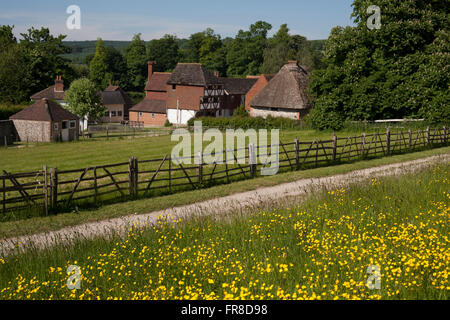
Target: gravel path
[{"x": 235, "y": 202}]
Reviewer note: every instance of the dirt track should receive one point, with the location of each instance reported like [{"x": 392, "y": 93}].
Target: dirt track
[{"x": 235, "y": 202}]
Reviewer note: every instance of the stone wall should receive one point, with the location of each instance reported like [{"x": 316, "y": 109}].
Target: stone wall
[{"x": 33, "y": 131}]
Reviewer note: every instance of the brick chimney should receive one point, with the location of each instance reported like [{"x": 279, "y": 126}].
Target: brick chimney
[
  {"x": 151, "y": 68},
  {"x": 292, "y": 62},
  {"x": 59, "y": 84}
]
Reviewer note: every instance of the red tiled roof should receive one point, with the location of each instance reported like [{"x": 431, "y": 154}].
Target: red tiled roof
[
  {"x": 192, "y": 74},
  {"x": 150, "y": 106},
  {"x": 49, "y": 93},
  {"x": 44, "y": 110},
  {"x": 158, "y": 82}
]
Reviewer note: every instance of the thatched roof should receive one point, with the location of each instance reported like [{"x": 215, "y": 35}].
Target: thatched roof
[
  {"x": 236, "y": 85},
  {"x": 192, "y": 74},
  {"x": 150, "y": 106},
  {"x": 158, "y": 82},
  {"x": 44, "y": 110},
  {"x": 115, "y": 95},
  {"x": 287, "y": 90}
]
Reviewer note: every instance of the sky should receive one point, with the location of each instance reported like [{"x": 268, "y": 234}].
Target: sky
[{"x": 120, "y": 20}]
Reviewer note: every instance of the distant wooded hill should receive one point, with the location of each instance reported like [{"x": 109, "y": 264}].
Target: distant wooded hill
[{"x": 81, "y": 49}]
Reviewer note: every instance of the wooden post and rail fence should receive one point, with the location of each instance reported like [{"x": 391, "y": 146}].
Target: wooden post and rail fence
[{"x": 51, "y": 188}]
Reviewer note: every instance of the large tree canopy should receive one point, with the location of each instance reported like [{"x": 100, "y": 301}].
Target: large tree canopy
[{"x": 400, "y": 70}]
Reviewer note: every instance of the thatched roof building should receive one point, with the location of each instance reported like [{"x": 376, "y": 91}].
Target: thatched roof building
[{"x": 285, "y": 95}]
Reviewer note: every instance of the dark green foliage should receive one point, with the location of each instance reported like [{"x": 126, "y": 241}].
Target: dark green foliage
[
  {"x": 31, "y": 65},
  {"x": 165, "y": 52},
  {"x": 241, "y": 112},
  {"x": 167, "y": 124},
  {"x": 136, "y": 58},
  {"x": 7, "y": 111},
  {"x": 98, "y": 67},
  {"x": 399, "y": 71},
  {"x": 239, "y": 122},
  {"x": 136, "y": 97}
]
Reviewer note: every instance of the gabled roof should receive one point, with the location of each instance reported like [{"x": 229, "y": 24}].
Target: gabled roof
[
  {"x": 150, "y": 106},
  {"x": 286, "y": 90},
  {"x": 115, "y": 95},
  {"x": 236, "y": 85},
  {"x": 44, "y": 110},
  {"x": 49, "y": 93},
  {"x": 192, "y": 74},
  {"x": 158, "y": 82}
]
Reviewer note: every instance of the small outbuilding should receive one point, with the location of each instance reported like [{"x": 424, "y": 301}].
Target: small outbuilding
[
  {"x": 285, "y": 95},
  {"x": 46, "y": 121},
  {"x": 117, "y": 103}
]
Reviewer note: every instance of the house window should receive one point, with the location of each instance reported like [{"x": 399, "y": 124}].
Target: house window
[
  {"x": 140, "y": 114},
  {"x": 55, "y": 126},
  {"x": 153, "y": 115},
  {"x": 113, "y": 113},
  {"x": 119, "y": 113},
  {"x": 174, "y": 87},
  {"x": 64, "y": 125},
  {"x": 107, "y": 114},
  {"x": 72, "y": 124}
]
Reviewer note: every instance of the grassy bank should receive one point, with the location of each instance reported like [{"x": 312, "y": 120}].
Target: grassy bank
[{"x": 320, "y": 249}]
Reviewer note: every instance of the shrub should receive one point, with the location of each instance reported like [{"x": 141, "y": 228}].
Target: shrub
[
  {"x": 239, "y": 122},
  {"x": 167, "y": 124}
]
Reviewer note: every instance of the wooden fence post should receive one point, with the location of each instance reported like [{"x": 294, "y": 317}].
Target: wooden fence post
[
  {"x": 427, "y": 138},
  {"x": 170, "y": 174},
  {"x": 54, "y": 186},
  {"x": 95, "y": 185},
  {"x": 410, "y": 139},
  {"x": 297, "y": 153},
  {"x": 6, "y": 141},
  {"x": 200, "y": 167},
  {"x": 45, "y": 191},
  {"x": 136, "y": 177},
  {"x": 363, "y": 146},
  {"x": 335, "y": 141},
  {"x": 252, "y": 159},
  {"x": 131, "y": 176},
  {"x": 4, "y": 194},
  {"x": 445, "y": 135},
  {"x": 388, "y": 141}
]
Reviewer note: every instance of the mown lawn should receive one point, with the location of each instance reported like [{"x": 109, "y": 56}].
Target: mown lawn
[{"x": 318, "y": 249}]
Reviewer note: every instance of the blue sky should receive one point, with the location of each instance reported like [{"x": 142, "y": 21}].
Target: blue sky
[{"x": 119, "y": 20}]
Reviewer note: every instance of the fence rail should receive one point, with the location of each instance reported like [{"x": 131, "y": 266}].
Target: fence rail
[{"x": 51, "y": 188}]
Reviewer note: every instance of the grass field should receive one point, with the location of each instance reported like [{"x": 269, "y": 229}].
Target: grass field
[
  {"x": 319, "y": 249},
  {"x": 84, "y": 153}
]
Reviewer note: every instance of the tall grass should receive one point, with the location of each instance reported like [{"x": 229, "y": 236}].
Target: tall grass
[{"x": 318, "y": 249}]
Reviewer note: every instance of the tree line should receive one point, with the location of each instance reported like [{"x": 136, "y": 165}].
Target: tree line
[{"x": 250, "y": 52}]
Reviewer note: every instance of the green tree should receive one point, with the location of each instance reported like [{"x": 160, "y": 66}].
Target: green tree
[
  {"x": 400, "y": 70},
  {"x": 165, "y": 52},
  {"x": 136, "y": 58},
  {"x": 116, "y": 67},
  {"x": 15, "y": 76},
  {"x": 45, "y": 58},
  {"x": 98, "y": 68},
  {"x": 245, "y": 53},
  {"x": 7, "y": 37},
  {"x": 84, "y": 100}
]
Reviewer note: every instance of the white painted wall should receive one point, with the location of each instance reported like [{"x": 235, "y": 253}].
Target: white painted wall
[{"x": 180, "y": 116}]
